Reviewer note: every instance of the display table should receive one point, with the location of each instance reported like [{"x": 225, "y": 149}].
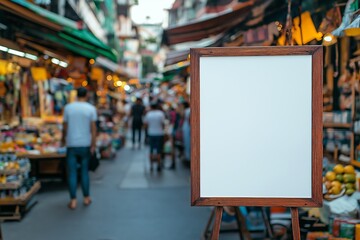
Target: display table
[
  {"x": 15, "y": 208},
  {"x": 47, "y": 165}
]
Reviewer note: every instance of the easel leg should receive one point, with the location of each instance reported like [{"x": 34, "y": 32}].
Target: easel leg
[
  {"x": 206, "y": 231},
  {"x": 267, "y": 223},
  {"x": 242, "y": 225},
  {"x": 295, "y": 223},
  {"x": 239, "y": 222},
  {"x": 217, "y": 223}
]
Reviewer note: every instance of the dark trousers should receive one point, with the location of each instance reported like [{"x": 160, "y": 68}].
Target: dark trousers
[
  {"x": 138, "y": 130},
  {"x": 74, "y": 156}
]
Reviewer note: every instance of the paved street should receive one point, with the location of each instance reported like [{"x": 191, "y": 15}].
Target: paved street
[{"x": 128, "y": 203}]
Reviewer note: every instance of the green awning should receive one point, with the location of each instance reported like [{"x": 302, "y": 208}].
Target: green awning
[
  {"x": 99, "y": 51},
  {"x": 70, "y": 32},
  {"x": 68, "y": 45},
  {"x": 165, "y": 78},
  {"x": 86, "y": 35},
  {"x": 47, "y": 14}
]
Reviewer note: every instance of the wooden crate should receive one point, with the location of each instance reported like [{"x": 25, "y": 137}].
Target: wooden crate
[{"x": 15, "y": 208}]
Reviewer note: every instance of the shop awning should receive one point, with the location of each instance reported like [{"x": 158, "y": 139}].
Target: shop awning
[
  {"x": 177, "y": 66},
  {"x": 78, "y": 49},
  {"x": 176, "y": 56},
  {"x": 114, "y": 67},
  {"x": 28, "y": 14},
  {"x": 205, "y": 28},
  {"x": 42, "y": 49},
  {"x": 46, "y": 14},
  {"x": 65, "y": 28}
]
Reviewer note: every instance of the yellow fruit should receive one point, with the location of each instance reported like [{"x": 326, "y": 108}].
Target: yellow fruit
[
  {"x": 336, "y": 191},
  {"x": 336, "y": 184},
  {"x": 330, "y": 176},
  {"x": 338, "y": 169},
  {"x": 349, "y": 169}
]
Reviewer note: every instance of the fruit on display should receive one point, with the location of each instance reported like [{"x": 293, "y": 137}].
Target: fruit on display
[
  {"x": 330, "y": 176},
  {"x": 338, "y": 169},
  {"x": 335, "y": 187},
  {"x": 340, "y": 177},
  {"x": 349, "y": 169},
  {"x": 349, "y": 178},
  {"x": 340, "y": 180}
]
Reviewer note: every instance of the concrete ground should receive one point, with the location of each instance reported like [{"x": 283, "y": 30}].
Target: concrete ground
[{"x": 129, "y": 202}]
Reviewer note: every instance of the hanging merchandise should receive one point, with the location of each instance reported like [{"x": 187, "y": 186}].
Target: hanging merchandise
[
  {"x": 331, "y": 21},
  {"x": 39, "y": 73},
  {"x": 354, "y": 28},
  {"x": 351, "y": 7},
  {"x": 306, "y": 32},
  {"x": 3, "y": 67},
  {"x": 97, "y": 74}
]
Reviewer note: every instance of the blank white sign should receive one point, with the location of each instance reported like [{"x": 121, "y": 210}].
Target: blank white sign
[{"x": 255, "y": 126}]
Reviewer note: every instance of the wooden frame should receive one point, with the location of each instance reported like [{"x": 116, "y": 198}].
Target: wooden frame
[{"x": 316, "y": 53}]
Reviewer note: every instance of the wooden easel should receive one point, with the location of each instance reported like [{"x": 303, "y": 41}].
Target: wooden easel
[
  {"x": 244, "y": 233},
  {"x": 204, "y": 66}
]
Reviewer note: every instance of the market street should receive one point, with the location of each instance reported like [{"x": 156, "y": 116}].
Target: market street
[{"x": 128, "y": 203}]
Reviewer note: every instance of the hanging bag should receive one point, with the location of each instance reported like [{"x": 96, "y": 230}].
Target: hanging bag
[{"x": 94, "y": 161}]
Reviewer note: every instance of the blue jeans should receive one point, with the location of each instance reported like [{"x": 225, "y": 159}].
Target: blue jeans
[{"x": 73, "y": 155}]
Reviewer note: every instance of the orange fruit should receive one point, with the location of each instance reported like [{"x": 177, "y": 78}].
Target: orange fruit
[
  {"x": 336, "y": 184},
  {"x": 338, "y": 169},
  {"x": 336, "y": 190},
  {"x": 349, "y": 169},
  {"x": 330, "y": 176}
]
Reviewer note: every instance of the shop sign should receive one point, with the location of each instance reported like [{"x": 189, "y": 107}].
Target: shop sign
[{"x": 39, "y": 73}]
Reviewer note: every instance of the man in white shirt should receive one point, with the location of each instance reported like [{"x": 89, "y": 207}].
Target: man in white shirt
[
  {"x": 154, "y": 120},
  {"x": 79, "y": 136}
]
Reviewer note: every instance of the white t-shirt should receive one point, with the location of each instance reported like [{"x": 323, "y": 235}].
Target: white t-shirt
[
  {"x": 155, "y": 120},
  {"x": 78, "y": 116}
]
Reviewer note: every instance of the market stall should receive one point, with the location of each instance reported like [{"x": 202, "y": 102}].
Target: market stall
[{"x": 17, "y": 188}]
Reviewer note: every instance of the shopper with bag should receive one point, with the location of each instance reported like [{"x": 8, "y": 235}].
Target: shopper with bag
[{"x": 79, "y": 136}]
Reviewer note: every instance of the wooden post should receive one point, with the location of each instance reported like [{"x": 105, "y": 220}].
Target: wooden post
[
  {"x": 217, "y": 223},
  {"x": 295, "y": 223}
]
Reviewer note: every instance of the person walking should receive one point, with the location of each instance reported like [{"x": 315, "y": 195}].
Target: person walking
[
  {"x": 137, "y": 113},
  {"x": 79, "y": 137},
  {"x": 186, "y": 132},
  {"x": 155, "y": 121}
]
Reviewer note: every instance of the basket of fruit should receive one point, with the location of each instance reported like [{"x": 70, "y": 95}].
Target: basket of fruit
[{"x": 340, "y": 181}]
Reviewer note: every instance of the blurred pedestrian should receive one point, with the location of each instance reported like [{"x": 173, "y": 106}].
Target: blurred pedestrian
[
  {"x": 79, "y": 136},
  {"x": 137, "y": 114},
  {"x": 186, "y": 131},
  {"x": 155, "y": 121}
]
